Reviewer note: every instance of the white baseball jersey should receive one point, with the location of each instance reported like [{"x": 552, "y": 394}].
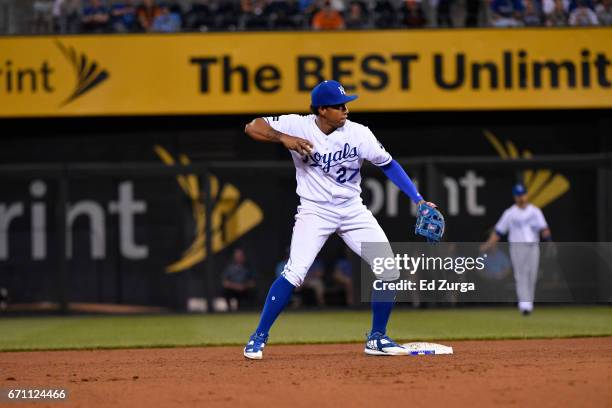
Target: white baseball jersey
[
  {"x": 522, "y": 224},
  {"x": 331, "y": 173}
]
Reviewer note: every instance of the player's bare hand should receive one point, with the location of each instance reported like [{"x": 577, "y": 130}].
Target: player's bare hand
[
  {"x": 428, "y": 203},
  {"x": 302, "y": 146}
]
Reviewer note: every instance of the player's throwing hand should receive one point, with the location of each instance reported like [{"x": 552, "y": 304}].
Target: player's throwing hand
[
  {"x": 260, "y": 130},
  {"x": 302, "y": 146}
]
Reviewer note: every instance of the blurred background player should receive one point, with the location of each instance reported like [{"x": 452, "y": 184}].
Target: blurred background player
[{"x": 524, "y": 224}]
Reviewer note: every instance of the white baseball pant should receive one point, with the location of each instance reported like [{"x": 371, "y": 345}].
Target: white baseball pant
[
  {"x": 525, "y": 263},
  {"x": 354, "y": 223}
]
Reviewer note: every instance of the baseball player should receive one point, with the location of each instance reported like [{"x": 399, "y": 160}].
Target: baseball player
[
  {"x": 328, "y": 151},
  {"x": 524, "y": 224}
]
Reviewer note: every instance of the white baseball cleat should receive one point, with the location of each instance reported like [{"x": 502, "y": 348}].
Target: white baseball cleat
[{"x": 254, "y": 348}]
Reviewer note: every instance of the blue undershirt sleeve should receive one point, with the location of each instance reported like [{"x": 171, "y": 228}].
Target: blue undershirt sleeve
[{"x": 398, "y": 176}]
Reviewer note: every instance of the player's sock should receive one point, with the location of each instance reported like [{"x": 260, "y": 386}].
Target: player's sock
[
  {"x": 382, "y": 304},
  {"x": 278, "y": 297}
]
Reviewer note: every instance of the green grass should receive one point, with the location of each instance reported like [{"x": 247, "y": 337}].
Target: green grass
[{"x": 88, "y": 332}]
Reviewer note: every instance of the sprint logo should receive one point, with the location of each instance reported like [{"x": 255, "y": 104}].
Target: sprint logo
[
  {"x": 89, "y": 74},
  {"x": 21, "y": 79},
  {"x": 231, "y": 218},
  {"x": 543, "y": 186}
]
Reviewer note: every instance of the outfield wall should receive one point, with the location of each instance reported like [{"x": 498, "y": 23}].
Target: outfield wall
[
  {"x": 136, "y": 234},
  {"x": 127, "y": 228}
]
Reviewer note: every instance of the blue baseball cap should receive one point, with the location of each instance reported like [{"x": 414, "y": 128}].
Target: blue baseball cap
[
  {"x": 329, "y": 93},
  {"x": 519, "y": 190}
]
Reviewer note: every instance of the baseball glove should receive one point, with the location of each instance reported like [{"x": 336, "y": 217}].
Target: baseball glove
[{"x": 429, "y": 223}]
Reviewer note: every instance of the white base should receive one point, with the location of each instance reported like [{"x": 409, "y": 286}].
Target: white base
[{"x": 422, "y": 348}]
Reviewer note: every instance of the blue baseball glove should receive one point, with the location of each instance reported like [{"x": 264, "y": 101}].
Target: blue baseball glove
[{"x": 430, "y": 223}]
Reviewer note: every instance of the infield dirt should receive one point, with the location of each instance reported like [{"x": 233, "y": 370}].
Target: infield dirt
[{"x": 542, "y": 373}]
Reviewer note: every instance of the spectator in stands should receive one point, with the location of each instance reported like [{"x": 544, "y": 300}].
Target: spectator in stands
[
  {"x": 167, "y": 21},
  {"x": 385, "y": 14},
  {"x": 327, "y": 18},
  {"x": 457, "y": 13},
  {"x": 573, "y": 4},
  {"x": 532, "y": 17},
  {"x": 507, "y": 13},
  {"x": 284, "y": 15},
  {"x": 43, "y": 16},
  {"x": 549, "y": 5},
  {"x": 123, "y": 16},
  {"x": 66, "y": 16},
  {"x": 343, "y": 275},
  {"x": 357, "y": 17},
  {"x": 313, "y": 283},
  {"x": 604, "y": 12},
  {"x": 146, "y": 14},
  {"x": 556, "y": 13},
  {"x": 444, "y": 13},
  {"x": 339, "y": 5},
  {"x": 199, "y": 17},
  {"x": 472, "y": 12},
  {"x": 307, "y": 6},
  {"x": 412, "y": 14},
  {"x": 251, "y": 6},
  {"x": 95, "y": 17},
  {"x": 484, "y": 13},
  {"x": 583, "y": 15},
  {"x": 226, "y": 15},
  {"x": 238, "y": 280},
  {"x": 430, "y": 7},
  {"x": 253, "y": 15},
  {"x": 307, "y": 9}
]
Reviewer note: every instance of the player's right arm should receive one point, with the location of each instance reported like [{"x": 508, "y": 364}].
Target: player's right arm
[
  {"x": 493, "y": 239},
  {"x": 501, "y": 229},
  {"x": 258, "y": 129}
]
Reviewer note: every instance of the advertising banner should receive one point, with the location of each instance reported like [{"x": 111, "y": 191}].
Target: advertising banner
[{"x": 238, "y": 73}]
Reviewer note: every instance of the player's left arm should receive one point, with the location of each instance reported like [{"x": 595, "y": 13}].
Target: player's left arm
[
  {"x": 548, "y": 247},
  {"x": 396, "y": 173},
  {"x": 545, "y": 233}
]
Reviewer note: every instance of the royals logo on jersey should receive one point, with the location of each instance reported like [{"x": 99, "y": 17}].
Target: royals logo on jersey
[
  {"x": 328, "y": 160},
  {"x": 332, "y": 171}
]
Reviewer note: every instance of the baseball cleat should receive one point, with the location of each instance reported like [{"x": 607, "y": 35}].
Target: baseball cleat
[
  {"x": 378, "y": 344},
  {"x": 255, "y": 346}
]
